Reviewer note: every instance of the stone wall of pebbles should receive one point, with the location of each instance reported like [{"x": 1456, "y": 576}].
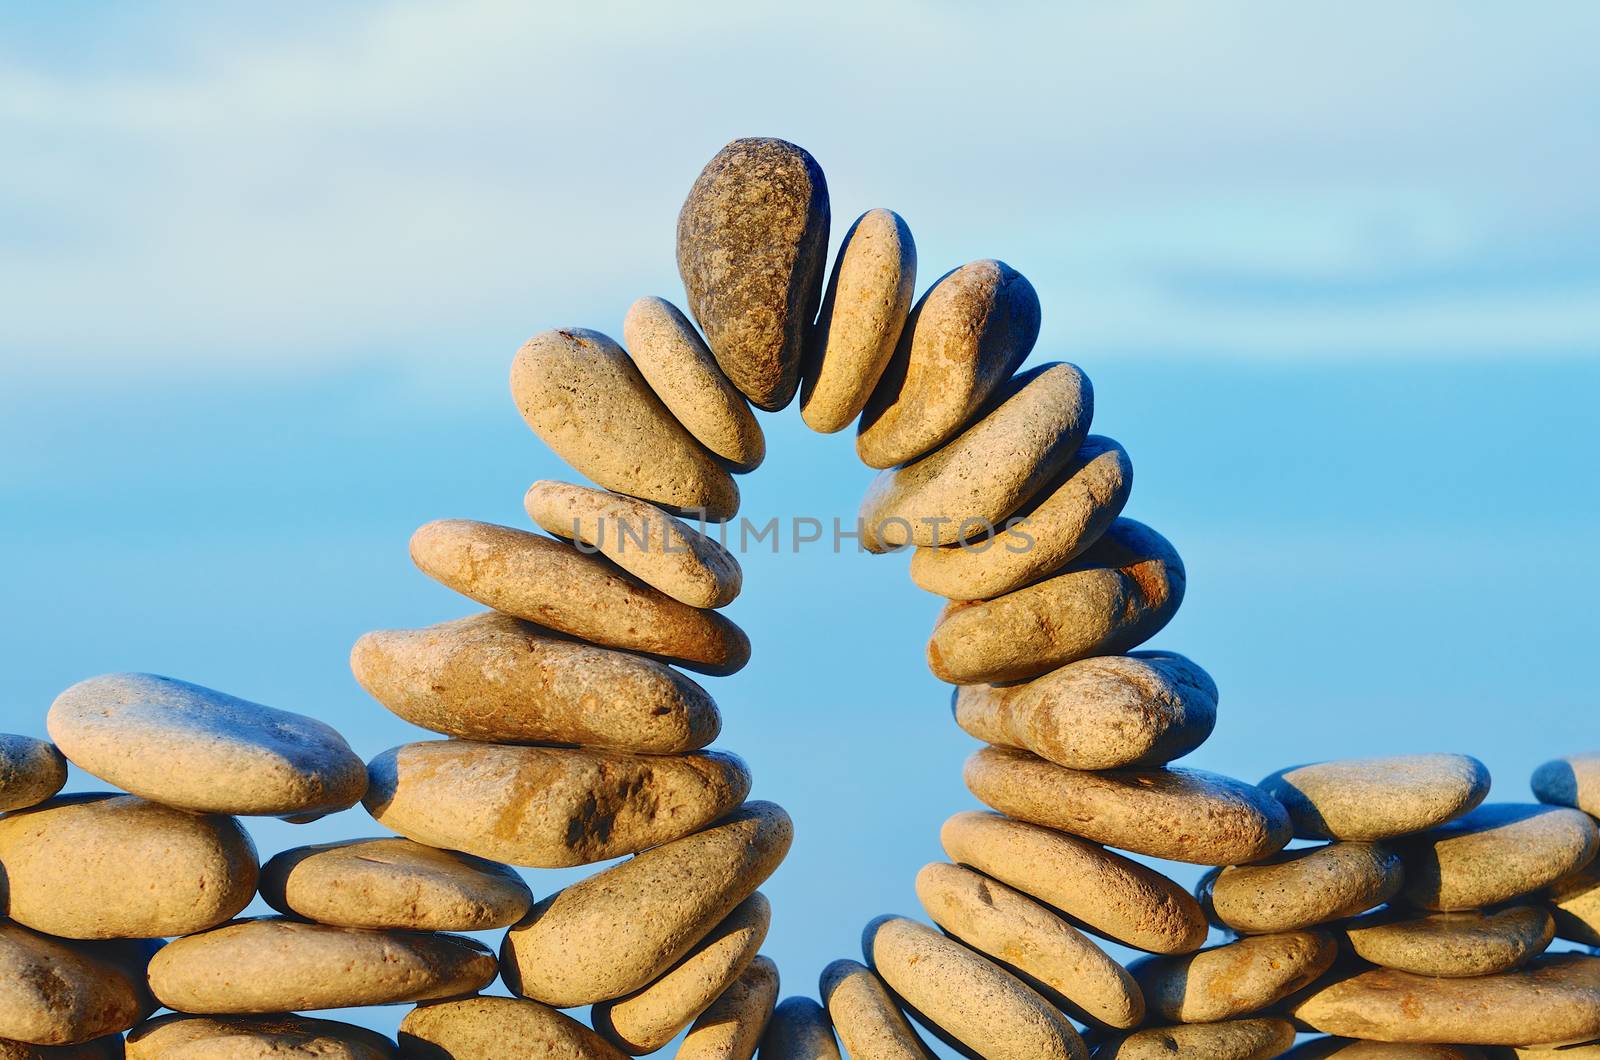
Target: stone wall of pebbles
[{"x": 1412, "y": 921}]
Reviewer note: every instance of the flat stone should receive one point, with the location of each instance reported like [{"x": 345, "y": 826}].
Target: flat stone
[
  {"x": 1297, "y": 889},
  {"x": 645, "y": 1021},
  {"x": 752, "y": 247},
  {"x": 865, "y": 1017},
  {"x": 965, "y": 337},
  {"x": 1575, "y": 904},
  {"x": 584, "y": 397},
  {"x": 197, "y": 749},
  {"x": 1378, "y": 798},
  {"x": 1064, "y": 518},
  {"x": 480, "y": 1028},
  {"x": 106, "y": 1048},
  {"x": 659, "y": 549},
  {"x": 620, "y": 929},
  {"x": 30, "y": 771},
  {"x": 178, "y": 1037},
  {"x": 966, "y": 488},
  {"x": 496, "y": 678},
  {"x": 394, "y": 883},
  {"x": 1452, "y": 945},
  {"x": 732, "y": 1027},
  {"x": 965, "y": 996},
  {"x": 1108, "y": 601},
  {"x": 799, "y": 1030},
  {"x": 54, "y": 992},
  {"x": 1106, "y": 892},
  {"x": 551, "y": 583},
  {"x": 1579, "y": 1051},
  {"x": 549, "y": 807},
  {"x": 107, "y": 866},
  {"x": 1046, "y": 952},
  {"x": 1554, "y": 999},
  {"x": 1252, "y": 1039},
  {"x": 1112, "y": 712},
  {"x": 1232, "y": 980},
  {"x": 673, "y": 359},
  {"x": 1495, "y": 853},
  {"x": 1351, "y": 1049},
  {"x": 863, "y": 313},
  {"x": 1176, "y": 814},
  {"x": 272, "y": 965},
  {"x": 1570, "y": 781}
]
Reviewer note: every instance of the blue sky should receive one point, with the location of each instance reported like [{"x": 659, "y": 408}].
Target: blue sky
[{"x": 1332, "y": 270}]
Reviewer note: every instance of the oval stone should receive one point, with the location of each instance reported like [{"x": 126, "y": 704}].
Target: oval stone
[
  {"x": 1378, "y": 798},
  {"x": 197, "y": 749},
  {"x": 585, "y": 399},
  {"x": 1232, "y": 980},
  {"x": 1571, "y": 781},
  {"x": 480, "y": 1028},
  {"x": 1575, "y": 904},
  {"x": 30, "y": 771},
  {"x": 549, "y": 807},
  {"x": 1351, "y": 1049},
  {"x": 54, "y": 992},
  {"x": 1495, "y": 853},
  {"x": 1252, "y": 1039},
  {"x": 179, "y": 1037},
  {"x": 1297, "y": 889},
  {"x": 107, "y": 866},
  {"x": 799, "y": 1030},
  {"x": 732, "y": 1027},
  {"x": 865, "y": 1017},
  {"x": 108, "y": 1047},
  {"x": 1452, "y": 945}
]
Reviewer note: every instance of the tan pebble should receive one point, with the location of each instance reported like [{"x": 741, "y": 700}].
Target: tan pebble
[
  {"x": 198, "y": 749},
  {"x": 1576, "y": 1051},
  {"x": 553, "y": 584},
  {"x": 966, "y": 488},
  {"x": 867, "y": 1020},
  {"x": 1076, "y": 975},
  {"x": 549, "y": 807},
  {"x": 683, "y": 373},
  {"x": 106, "y": 1048},
  {"x": 1144, "y": 709},
  {"x": 178, "y": 1037},
  {"x": 1378, "y": 798},
  {"x": 616, "y": 931},
  {"x": 116, "y": 866},
  {"x": 863, "y": 313},
  {"x": 1065, "y": 517},
  {"x": 1108, "y": 601},
  {"x": 1570, "y": 781},
  {"x": 969, "y": 332},
  {"x": 1495, "y": 853},
  {"x": 799, "y": 1030},
  {"x": 54, "y": 992},
  {"x": 732, "y": 1027},
  {"x": 1177, "y": 814},
  {"x": 1351, "y": 1049},
  {"x": 646, "y": 1021},
  {"x": 1575, "y": 903},
  {"x": 1452, "y": 945},
  {"x": 393, "y": 883},
  {"x": 1297, "y": 889},
  {"x": 1112, "y": 895},
  {"x": 481, "y": 1028},
  {"x": 30, "y": 771},
  {"x": 273, "y": 965},
  {"x": 1252, "y": 1039},
  {"x": 659, "y": 549},
  {"x": 1232, "y": 980}
]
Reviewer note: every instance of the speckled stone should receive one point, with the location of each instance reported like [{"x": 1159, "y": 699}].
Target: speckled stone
[
  {"x": 54, "y": 992},
  {"x": 1232, "y": 980},
  {"x": 1065, "y": 517},
  {"x": 1351, "y": 1049},
  {"x": 1378, "y": 798},
  {"x": 1251, "y": 1039},
  {"x": 480, "y": 1028},
  {"x": 108, "y": 1047},
  {"x": 863, "y": 313},
  {"x": 178, "y": 1037},
  {"x": 197, "y": 749},
  {"x": 1452, "y": 945},
  {"x": 549, "y": 807},
  {"x": 1108, "y": 601},
  {"x": 1144, "y": 709},
  {"x": 30, "y": 771},
  {"x": 1570, "y": 781},
  {"x": 1575, "y": 903},
  {"x": 107, "y": 866},
  {"x": 1297, "y": 889},
  {"x": 1578, "y": 1051},
  {"x": 1494, "y": 853},
  {"x": 799, "y": 1030},
  {"x": 553, "y": 584},
  {"x": 865, "y": 1017},
  {"x": 965, "y": 337},
  {"x": 732, "y": 1027}
]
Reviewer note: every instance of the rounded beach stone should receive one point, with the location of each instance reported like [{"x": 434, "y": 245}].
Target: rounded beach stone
[
  {"x": 966, "y": 336},
  {"x": 659, "y": 549},
  {"x": 1575, "y": 904},
  {"x": 1029, "y": 939},
  {"x": 799, "y": 1030},
  {"x": 1232, "y": 980},
  {"x": 394, "y": 883},
  {"x": 964, "y": 995},
  {"x": 865, "y": 1017},
  {"x": 1554, "y": 999},
  {"x": 646, "y": 1021},
  {"x": 584, "y": 397},
  {"x": 1452, "y": 945},
  {"x": 1108, "y": 601},
  {"x": 273, "y": 965},
  {"x": 107, "y": 866},
  {"x": 481, "y": 1028},
  {"x": 1378, "y": 798},
  {"x": 1144, "y": 709},
  {"x": 683, "y": 373},
  {"x": 966, "y": 488},
  {"x": 732, "y": 1027},
  {"x": 618, "y": 930},
  {"x": 1177, "y": 814},
  {"x": 1494, "y": 853},
  {"x": 197, "y": 749},
  {"x": 1251, "y": 1039},
  {"x": 1108, "y": 893},
  {"x": 752, "y": 247},
  {"x": 1577, "y": 1051},
  {"x": 30, "y": 771},
  {"x": 496, "y": 678},
  {"x": 106, "y": 1048},
  {"x": 1297, "y": 889},
  {"x": 549, "y": 807},
  {"x": 863, "y": 312},
  {"x": 1351, "y": 1049},
  {"x": 1570, "y": 781},
  {"x": 1065, "y": 517},
  {"x": 553, "y": 584},
  {"x": 178, "y": 1037},
  {"x": 54, "y": 992}
]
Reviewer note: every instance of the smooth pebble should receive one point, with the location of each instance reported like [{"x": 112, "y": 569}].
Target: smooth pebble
[
  {"x": 1497, "y": 852},
  {"x": 1250, "y": 1039},
  {"x": 1378, "y": 798},
  {"x": 180, "y": 1037},
  {"x": 1234, "y": 979},
  {"x": 799, "y": 1030},
  {"x": 481, "y": 1028},
  {"x": 731, "y": 1028},
  {"x": 865, "y": 1016},
  {"x": 54, "y": 992},
  {"x": 1570, "y": 781},
  {"x": 1452, "y": 945},
  {"x": 30, "y": 771},
  {"x": 1301, "y": 888}
]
